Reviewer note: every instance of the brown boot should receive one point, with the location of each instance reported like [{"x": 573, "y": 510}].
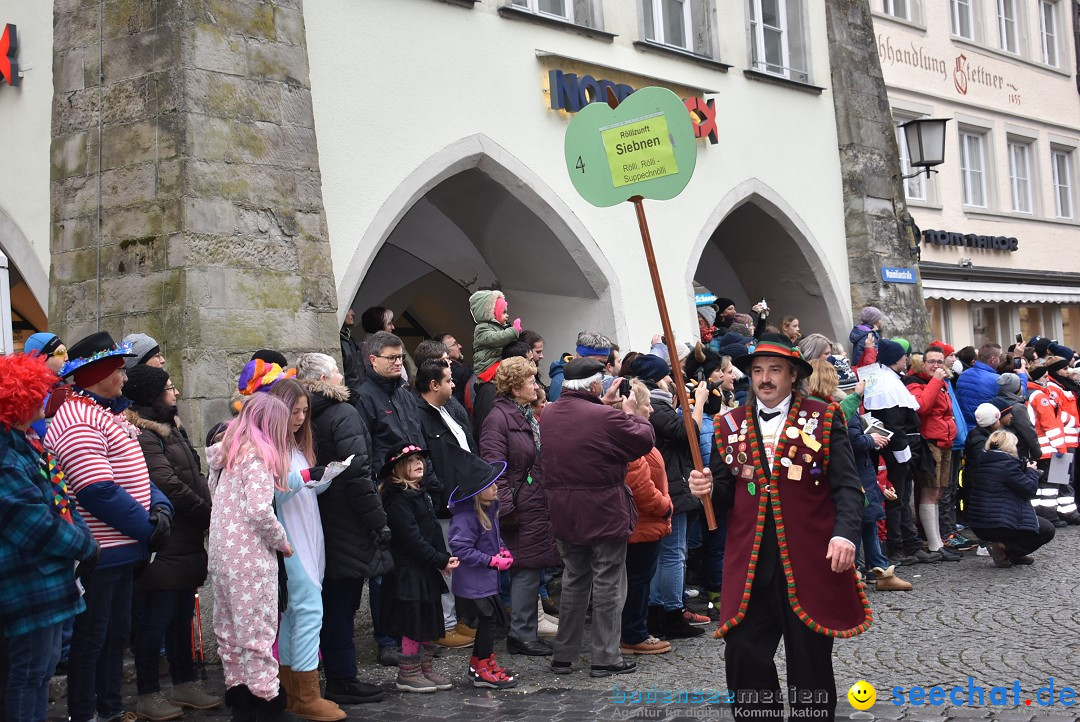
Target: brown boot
[
  {"x": 427, "y": 668},
  {"x": 887, "y": 581},
  {"x": 288, "y": 687},
  {"x": 309, "y": 702}
]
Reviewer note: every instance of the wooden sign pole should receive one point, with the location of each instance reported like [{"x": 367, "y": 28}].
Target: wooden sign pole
[{"x": 673, "y": 357}]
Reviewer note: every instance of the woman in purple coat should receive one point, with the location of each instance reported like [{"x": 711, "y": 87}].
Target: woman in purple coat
[{"x": 511, "y": 433}]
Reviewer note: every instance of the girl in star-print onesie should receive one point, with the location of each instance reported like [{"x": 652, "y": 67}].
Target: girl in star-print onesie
[
  {"x": 301, "y": 622},
  {"x": 250, "y": 462}
]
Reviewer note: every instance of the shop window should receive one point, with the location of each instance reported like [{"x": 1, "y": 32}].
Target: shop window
[
  {"x": 1020, "y": 175},
  {"x": 961, "y": 17},
  {"x": 1008, "y": 22},
  {"x": 562, "y": 9},
  {"x": 973, "y": 167},
  {"x": 1048, "y": 30},
  {"x": 914, "y": 188},
  {"x": 1070, "y": 326},
  {"x": 1032, "y": 322},
  {"x": 938, "y": 310},
  {"x": 1061, "y": 168},
  {"x": 985, "y": 324},
  {"x": 778, "y": 39}
]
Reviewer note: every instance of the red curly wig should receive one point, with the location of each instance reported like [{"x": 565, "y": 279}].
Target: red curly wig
[{"x": 25, "y": 381}]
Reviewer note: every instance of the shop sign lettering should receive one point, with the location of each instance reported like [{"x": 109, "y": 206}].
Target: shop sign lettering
[{"x": 571, "y": 93}]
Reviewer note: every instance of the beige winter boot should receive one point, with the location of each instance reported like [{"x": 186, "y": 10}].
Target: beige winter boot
[
  {"x": 308, "y": 701},
  {"x": 887, "y": 581}
]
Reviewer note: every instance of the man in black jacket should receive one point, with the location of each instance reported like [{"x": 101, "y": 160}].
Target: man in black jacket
[
  {"x": 354, "y": 525},
  {"x": 446, "y": 437},
  {"x": 352, "y": 366}
]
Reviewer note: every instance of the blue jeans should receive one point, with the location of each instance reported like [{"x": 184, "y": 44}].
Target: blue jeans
[
  {"x": 872, "y": 546},
  {"x": 667, "y": 583},
  {"x": 167, "y": 615},
  {"x": 96, "y": 661},
  {"x": 640, "y": 567},
  {"x": 33, "y": 656}
]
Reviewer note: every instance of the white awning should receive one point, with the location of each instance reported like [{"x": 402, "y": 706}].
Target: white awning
[{"x": 998, "y": 292}]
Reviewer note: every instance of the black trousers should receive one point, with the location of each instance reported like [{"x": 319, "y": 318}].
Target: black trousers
[
  {"x": 903, "y": 537},
  {"x": 751, "y": 645},
  {"x": 1019, "y": 543}
]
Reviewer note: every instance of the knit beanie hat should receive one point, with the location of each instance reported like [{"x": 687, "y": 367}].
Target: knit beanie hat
[
  {"x": 870, "y": 315},
  {"x": 142, "y": 346},
  {"x": 1009, "y": 383},
  {"x": 903, "y": 342},
  {"x": 987, "y": 415},
  {"x": 271, "y": 357},
  {"x": 44, "y": 343},
  {"x": 500, "y": 307},
  {"x": 649, "y": 367},
  {"x": 949, "y": 350},
  {"x": 734, "y": 350},
  {"x": 1041, "y": 345},
  {"x": 889, "y": 352},
  {"x": 723, "y": 303},
  {"x": 145, "y": 384},
  {"x": 708, "y": 313}
]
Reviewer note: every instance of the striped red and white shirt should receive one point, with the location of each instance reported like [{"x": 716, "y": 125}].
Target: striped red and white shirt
[{"x": 93, "y": 446}]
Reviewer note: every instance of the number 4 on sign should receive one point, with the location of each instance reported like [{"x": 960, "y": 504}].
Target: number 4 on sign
[{"x": 580, "y": 164}]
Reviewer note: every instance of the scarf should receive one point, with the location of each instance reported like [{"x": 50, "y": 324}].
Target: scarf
[
  {"x": 51, "y": 470},
  {"x": 534, "y": 424}
]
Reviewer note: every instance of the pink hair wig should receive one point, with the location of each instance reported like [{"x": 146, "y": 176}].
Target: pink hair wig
[{"x": 262, "y": 426}]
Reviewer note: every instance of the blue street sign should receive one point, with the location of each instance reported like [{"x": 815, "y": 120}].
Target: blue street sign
[{"x": 898, "y": 275}]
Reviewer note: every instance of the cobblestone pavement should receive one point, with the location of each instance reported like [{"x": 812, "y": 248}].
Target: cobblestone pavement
[{"x": 998, "y": 626}]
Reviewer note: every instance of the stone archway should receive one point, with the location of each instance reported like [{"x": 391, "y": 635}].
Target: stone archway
[
  {"x": 754, "y": 245},
  {"x": 474, "y": 217}
]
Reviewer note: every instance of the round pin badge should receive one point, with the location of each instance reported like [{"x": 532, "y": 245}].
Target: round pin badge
[
  {"x": 792, "y": 432},
  {"x": 728, "y": 459},
  {"x": 742, "y": 458},
  {"x": 785, "y": 461}
]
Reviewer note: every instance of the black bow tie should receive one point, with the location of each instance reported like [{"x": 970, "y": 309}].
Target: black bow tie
[{"x": 767, "y": 415}]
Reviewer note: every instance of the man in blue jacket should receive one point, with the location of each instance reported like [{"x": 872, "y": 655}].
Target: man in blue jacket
[{"x": 978, "y": 384}]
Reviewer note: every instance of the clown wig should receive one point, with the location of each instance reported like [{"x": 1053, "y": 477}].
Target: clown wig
[{"x": 25, "y": 381}]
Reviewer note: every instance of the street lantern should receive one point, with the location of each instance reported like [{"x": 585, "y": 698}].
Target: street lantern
[{"x": 926, "y": 144}]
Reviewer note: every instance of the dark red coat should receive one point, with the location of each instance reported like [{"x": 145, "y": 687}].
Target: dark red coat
[
  {"x": 586, "y": 447},
  {"x": 936, "y": 422},
  {"x": 818, "y": 496},
  {"x": 506, "y": 436}
]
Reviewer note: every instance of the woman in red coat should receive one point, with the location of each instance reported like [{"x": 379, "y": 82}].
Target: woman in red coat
[{"x": 647, "y": 479}]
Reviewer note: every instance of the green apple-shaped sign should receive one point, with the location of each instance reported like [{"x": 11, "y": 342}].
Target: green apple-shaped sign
[{"x": 644, "y": 147}]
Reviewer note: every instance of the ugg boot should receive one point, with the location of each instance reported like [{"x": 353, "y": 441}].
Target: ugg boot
[
  {"x": 427, "y": 668},
  {"x": 545, "y": 626},
  {"x": 887, "y": 581},
  {"x": 308, "y": 701},
  {"x": 271, "y": 710},
  {"x": 410, "y": 675},
  {"x": 240, "y": 702},
  {"x": 288, "y": 687}
]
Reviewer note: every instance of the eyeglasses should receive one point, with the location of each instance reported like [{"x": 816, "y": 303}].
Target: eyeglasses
[
  {"x": 393, "y": 359},
  {"x": 170, "y": 387},
  {"x": 59, "y": 353}
]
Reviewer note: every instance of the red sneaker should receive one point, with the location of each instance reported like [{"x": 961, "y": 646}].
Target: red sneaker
[
  {"x": 485, "y": 676},
  {"x": 695, "y": 620}
]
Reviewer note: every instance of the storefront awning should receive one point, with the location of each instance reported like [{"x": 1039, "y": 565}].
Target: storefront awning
[{"x": 998, "y": 292}]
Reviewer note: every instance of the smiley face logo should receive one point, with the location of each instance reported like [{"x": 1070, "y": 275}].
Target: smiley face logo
[{"x": 862, "y": 695}]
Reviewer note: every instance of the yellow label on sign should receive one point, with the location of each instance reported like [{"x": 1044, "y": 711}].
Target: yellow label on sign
[{"x": 639, "y": 150}]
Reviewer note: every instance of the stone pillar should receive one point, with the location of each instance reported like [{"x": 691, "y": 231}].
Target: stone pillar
[
  {"x": 186, "y": 195},
  {"x": 874, "y": 205}
]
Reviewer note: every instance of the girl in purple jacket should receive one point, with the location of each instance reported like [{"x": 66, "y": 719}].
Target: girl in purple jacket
[{"x": 475, "y": 541}]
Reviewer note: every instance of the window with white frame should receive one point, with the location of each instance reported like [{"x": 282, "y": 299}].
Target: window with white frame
[
  {"x": 1008, "y": 26},
  {"x": 778, "y": 42},
  {"x": 1061, "y": 161},
  {"x": 896, "y": 8},
  {"x": 1020, "y": 175},
  {"x": 914, "y": 188},
  {"x": 961, "y": 18},
  {"x": 973, "y": 167},
  {"x": 668, "y": 22},
  {"x": 1048, "y": 26},
  {"x": 562, "y": 9}
]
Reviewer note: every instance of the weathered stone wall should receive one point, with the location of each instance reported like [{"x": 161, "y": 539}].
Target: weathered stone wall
[
  {"x": 870, "y": 166},
  {"x": 213, "y": 238}
]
